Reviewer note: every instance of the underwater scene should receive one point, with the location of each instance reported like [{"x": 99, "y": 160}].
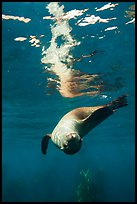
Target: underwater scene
[{"x": 68, "y": 101}]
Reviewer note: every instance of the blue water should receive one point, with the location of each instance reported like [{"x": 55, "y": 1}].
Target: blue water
[{"x": 28, "y": 113}]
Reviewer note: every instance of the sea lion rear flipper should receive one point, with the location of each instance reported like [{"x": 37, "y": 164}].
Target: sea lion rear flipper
[
  {"x": 44, "y": 143},
  {"x": 118, "y": 102}
]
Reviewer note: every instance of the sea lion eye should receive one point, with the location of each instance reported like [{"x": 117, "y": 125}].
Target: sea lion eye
[{"x": 65, "y": 145}]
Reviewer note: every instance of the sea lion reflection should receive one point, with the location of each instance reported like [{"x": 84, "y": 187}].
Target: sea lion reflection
[
  {"x": 71, "y": 83},
  {"x": 76, "y": 83}
]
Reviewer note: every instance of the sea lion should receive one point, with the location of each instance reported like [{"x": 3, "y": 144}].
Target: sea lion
[{"x": 73, "y": 126}]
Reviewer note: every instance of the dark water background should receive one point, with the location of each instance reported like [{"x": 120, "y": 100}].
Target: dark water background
[{"x": 28, "y": 113}]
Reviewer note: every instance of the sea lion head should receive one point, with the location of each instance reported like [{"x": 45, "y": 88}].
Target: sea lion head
[{"x": 72, "y": 143}]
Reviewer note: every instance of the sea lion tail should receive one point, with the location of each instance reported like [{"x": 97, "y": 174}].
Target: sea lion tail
[{"x": 119, "y": 102}]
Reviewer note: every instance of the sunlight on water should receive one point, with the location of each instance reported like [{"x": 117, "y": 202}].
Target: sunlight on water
[
  {"x": 70, "y": 82},
  {"x": 58, "y": 57},
  {"x": 60, "y": 61}
]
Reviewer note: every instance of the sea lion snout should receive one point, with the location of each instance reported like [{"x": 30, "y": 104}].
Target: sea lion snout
[{"x": 72, "y": 144}]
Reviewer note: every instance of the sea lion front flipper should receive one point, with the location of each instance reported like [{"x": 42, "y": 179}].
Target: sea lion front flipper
[
  {"x": 44, "y": 143},
  {"x": 97, "y": 117}
]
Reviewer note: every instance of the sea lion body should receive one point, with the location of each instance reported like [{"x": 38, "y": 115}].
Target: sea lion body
[
  {"x": 73, "y": 126},
  {"x": 73, "y": 121}
]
